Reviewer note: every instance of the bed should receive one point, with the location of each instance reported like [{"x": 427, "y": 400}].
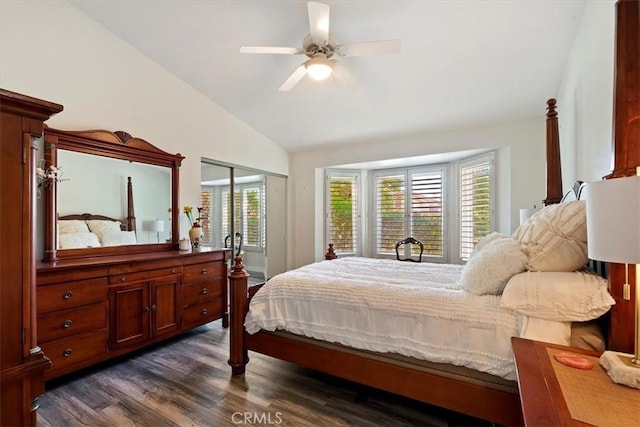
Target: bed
[
  {"x": 87, "y": 230},
  {"x": 463, "y": 389}
]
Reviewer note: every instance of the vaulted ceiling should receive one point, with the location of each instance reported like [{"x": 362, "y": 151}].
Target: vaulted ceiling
[{"x": 462, "y": 63}]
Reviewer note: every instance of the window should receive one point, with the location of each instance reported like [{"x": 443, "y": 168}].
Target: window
[
  {"x": 476, "y": 202},
  {"x": 248, "y": 218},
  {"x": 343, "y": 217},
  {"x": 410, "y": 202}
]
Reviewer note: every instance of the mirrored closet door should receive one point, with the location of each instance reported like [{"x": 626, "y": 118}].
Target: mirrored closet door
[{"x": 245, "y": 209}]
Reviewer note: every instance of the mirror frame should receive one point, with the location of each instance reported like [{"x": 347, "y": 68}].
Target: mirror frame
[{"x": 116, "y": 145}]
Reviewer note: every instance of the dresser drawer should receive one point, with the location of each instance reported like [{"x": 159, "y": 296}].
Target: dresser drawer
[
  {"x": 202, "y": 313},
  {"x": 200, "y": 272},
  {"x": 66, "y": 353},
  {"x": 196, "y": 293},
  {"x": 71, "y": 294},
  {"x": 118, "y": 279},
  {"x": 61, "y": 324}
]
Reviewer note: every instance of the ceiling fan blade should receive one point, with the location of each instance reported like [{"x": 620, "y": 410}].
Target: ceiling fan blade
[
  {"x": 293, "y": 79},
  {"x": 319, "y": 22},
  {"x": 382, "y": 47},
  {"x": 344, "y": 76},
  {"x": 268, "y": 49}
]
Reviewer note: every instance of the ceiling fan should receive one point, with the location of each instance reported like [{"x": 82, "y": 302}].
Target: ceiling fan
[{"x": 321, "y": 48}]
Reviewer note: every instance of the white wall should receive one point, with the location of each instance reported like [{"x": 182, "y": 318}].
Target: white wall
[
  {"x": 53, "y": 51},
  {"x": 585, "y": 98},
  {"x": 520, "y": 173}
]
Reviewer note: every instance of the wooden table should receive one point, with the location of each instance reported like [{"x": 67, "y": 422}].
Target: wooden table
[{"x": 543, "y": 403}]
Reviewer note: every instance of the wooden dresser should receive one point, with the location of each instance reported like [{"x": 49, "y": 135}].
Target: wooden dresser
[
  {"x": 93, "y": 309},
  {"x": 22, "y": 363}
]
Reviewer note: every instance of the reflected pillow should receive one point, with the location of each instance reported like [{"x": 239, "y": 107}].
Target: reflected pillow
[
  {"x": 72, "y": 226},
  {"x": 99, "y": 226},
  {"x": 117, "y": 238},
  {"x": 562, "y": 296},
  {"x": 490, "y": 268},
  {"x": 77, "y": 240}
]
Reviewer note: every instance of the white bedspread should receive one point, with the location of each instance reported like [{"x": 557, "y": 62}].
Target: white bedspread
[{"x": 414, "y": 309}]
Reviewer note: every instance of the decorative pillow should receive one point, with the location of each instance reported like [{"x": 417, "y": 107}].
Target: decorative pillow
[
  {"x": 72, "y": 226},
  {"x": 117, "y": 238},
  {"x": 99, "y": 226},
  {"x": 488, "y": 271},
  {"x": 555, "y": 238},
  {"x": 77, "y": 240},
  {"x": 562, "y": 296},
  {"x": 483, "y": 242}
]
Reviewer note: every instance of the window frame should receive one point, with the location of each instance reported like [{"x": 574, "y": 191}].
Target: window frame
[
  {"x": 357, "y": 216},
  {"x": 470, "y": 163},
  {"x": 240, "y": 213}
]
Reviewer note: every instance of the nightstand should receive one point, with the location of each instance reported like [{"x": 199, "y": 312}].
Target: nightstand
[{"x": 553, "y": 394}]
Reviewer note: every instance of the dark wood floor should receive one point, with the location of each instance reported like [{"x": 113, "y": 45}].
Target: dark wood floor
[{"x": 187, "y": 382}]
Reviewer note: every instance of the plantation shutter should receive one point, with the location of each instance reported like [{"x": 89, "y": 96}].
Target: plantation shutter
[
  {"x": 390, "y": 211},
  {"x": 226, "y": 214},
  {"x": 343, "y": 223},
  {"x": 475, "y": 204},
  {"x": 251, "y": 230},
  {"x": 427, "y": 212},
  {"x": 205, "y": 216}
]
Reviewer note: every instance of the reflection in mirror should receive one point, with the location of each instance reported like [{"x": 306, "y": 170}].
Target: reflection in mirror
[
  {"x": 256, "y": 222},
  {"x": 98, "y": 185}
]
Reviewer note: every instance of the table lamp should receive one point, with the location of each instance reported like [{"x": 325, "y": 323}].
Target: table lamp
[
  {"x": 613, "y": 235},
  {"x": 154, "y": 226}
]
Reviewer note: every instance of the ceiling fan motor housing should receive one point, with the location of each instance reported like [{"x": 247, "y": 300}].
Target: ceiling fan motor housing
[{"x": 311, "y": 49}]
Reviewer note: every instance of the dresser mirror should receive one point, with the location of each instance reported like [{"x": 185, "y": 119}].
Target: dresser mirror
[{"x": 114, "y": 194}]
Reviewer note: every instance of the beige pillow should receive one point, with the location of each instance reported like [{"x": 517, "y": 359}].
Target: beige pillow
[
  {"x": 555, "y": 238},
  {"x": 493, "y": 265},
  {"x": 72, "y": 226}
]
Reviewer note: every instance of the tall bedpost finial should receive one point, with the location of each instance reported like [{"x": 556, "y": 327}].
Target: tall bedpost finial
[
  {"x": 551, "y": 108},
  {"x": 554, "y": 169},
  {"x": 238, "y": 286}
]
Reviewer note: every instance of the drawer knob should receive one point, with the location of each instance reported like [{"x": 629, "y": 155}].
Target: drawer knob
[
  {"x": 204, "y": 311},
  {"x": 204, "y": 291},
  {"x": 122, "y": 279},
  {"x": 146, "y": 308},
  {"x": 67, "y": 295},
  {"x": 173, "y": 270},
  {"x": 67, "y": 323},
  {"x": 205, "y": 271},
  {"x": 153, "y": 307},
  {"x": 67, "y": 352}
]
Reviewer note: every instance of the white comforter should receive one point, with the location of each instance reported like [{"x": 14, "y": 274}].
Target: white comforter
[{"x": 414, "y": 309}]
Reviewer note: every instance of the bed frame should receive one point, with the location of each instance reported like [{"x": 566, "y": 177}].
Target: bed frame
[{"x": 458, "y": 394}]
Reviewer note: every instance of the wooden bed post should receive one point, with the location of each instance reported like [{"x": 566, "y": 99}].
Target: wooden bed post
[
  {"x": 554, "y": 169},
  {"x": 330, "y": 253},
  {"x": 238, "y": 287},
  {"x": 131, "y": 216},
  {"x": 626, "y": 149}
]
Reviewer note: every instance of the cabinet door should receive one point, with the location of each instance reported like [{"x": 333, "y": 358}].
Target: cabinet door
[
  {"x": 166, "y": 305},
  {"x": 129, "y": 313}
]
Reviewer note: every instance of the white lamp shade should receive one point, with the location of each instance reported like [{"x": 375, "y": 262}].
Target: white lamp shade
[
  {"x": 613, "y": 220},
  {"x": 525, "y": 214},
  {"x": 156, "y": 226}
]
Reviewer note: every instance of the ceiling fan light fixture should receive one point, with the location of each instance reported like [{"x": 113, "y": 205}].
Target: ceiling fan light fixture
[{"x": 319, "y": 68}]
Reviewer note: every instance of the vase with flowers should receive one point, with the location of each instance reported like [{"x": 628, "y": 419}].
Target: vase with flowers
[
  {"x": 47, "y": 175},
  {"x": 195, "y": 232}
]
